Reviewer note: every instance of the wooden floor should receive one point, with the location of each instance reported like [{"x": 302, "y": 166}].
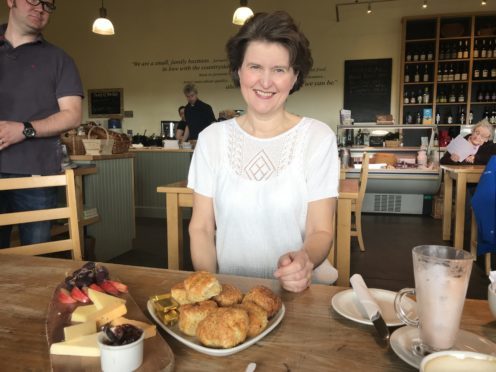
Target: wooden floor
[{"x": 386, "y": 263}]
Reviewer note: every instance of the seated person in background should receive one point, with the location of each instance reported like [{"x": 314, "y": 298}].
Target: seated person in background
[
  {"x": 182, "y": 131},
  {"x": 265, "y": 183},
  {"x": 481, "y": 138}
]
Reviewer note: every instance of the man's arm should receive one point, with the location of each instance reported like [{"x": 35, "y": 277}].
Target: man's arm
[{"x": 67, "y": 118}]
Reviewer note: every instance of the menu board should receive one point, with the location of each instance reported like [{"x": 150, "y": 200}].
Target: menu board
[
  {"x": 367, "y": 88},
  {"x": 105, "y": 102}
]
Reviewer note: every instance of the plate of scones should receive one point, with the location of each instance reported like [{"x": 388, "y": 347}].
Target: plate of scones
[{"x": 216, "y": 318}]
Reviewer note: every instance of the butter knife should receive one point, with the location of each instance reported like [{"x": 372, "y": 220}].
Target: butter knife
[{"x": 370, "y": 306}]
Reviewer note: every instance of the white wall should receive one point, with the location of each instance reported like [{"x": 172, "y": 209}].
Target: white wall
[{"x": 159, "y": 30}]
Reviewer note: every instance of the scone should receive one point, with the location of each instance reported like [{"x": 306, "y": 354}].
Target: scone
[
  {"x": 257, "y": 316},
  {"x": 223, "y": 327},
  {"x": 191, "y": 314},
  {"x": 201, "y": 286},
  {"x": 264, "y": 298},
  {"x": 229, "y": 296},
  {"x": 178, "y": 293}
]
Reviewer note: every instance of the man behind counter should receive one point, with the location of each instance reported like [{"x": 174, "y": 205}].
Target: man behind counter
[{"x": 198, "y": 114}]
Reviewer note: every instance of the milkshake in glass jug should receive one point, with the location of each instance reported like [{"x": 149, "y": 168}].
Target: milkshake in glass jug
[{"x": 441, "y": 280}]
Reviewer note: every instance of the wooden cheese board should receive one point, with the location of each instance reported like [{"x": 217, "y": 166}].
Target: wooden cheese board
[{"x": 157, "y": 355}]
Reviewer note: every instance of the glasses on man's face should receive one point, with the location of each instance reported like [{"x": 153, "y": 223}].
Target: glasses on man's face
[
  {"x": 48, "y": 6},
  {"x": 480, "y": 135}
]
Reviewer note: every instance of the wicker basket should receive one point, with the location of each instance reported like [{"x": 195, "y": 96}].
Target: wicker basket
[
  {"x": 121, "y": 141},
  {"x": 73, "y": 142},
  {"x": 97, "y": 146},
  {"x": 392, "y": 143}
]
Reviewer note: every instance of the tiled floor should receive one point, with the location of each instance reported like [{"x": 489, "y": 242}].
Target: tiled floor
[{"x": 386, "y": 263}]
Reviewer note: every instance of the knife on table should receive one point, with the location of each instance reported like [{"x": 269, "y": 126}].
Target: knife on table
[{"x": 370, "y": 306}]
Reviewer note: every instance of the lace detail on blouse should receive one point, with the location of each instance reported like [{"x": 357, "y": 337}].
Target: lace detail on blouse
[{"x": 262, "y": 159}]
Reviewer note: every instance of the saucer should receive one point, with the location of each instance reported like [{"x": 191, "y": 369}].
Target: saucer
[
  {"x": 403, "y": 338},
  {"x": 346, "y": 304}
]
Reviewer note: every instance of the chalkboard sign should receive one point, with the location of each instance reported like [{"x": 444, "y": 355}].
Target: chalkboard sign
[
  {"x": 367, "y": 88},
  {"x": 105, "y": 102}
]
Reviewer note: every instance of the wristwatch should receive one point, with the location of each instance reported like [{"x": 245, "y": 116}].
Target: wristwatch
[{"x": 29, "y": 131}]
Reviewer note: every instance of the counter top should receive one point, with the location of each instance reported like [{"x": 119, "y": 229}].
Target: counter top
[
  {"x": 159, "y": 149},
  {"x": 101, "y": 157}
]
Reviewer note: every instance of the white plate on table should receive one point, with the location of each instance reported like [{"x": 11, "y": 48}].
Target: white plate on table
[
  {"x": 346, "y": 304},
  {"x": 193, "y": 343},
  {"x": 402, "y": 342}
]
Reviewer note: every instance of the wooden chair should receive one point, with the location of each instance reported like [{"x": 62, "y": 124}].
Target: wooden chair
[
  {"x": 70, "y": 212},
  {"x": 356, "y": 207}
]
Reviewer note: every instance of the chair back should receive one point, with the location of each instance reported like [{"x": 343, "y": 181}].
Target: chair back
[
  {"x": 364, "y": 175},
  {"x": 69, "y": 212}
]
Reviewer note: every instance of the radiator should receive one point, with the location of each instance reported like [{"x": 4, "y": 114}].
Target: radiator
[{"x": 393, "y": 203}]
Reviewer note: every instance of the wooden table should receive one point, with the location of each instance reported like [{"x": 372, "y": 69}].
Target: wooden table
[
  {"x": 179, "y": 196},
  {"x": 462, "y": 174},
  {"x": 311, "y": 337}
]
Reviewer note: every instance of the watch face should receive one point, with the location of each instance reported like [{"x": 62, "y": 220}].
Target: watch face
[{"x": 29, "y": 132}]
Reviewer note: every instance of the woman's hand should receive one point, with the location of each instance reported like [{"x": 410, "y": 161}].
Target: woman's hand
[
  {"x": 455, "y": 157},
  {"x": 294, "y": 271},
  {"x": 470, "y": 159}
]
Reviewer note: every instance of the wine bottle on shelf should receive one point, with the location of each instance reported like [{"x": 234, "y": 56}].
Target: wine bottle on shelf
[
  {"x": 449, "y": 119},
  {"x": 470, "y": 117},
  {"x": 493, "y": 71},
  {"x": 419, "y": 118},
  {"x": 451, "y": 73},
  {"x": 466, "y": 52},
  {"x": 415, "y": 55},
  {"x": 487, "y": 96},
  {"x": 483, "y": 52},
  {"x": 486, "y": 114},
  {"x": 409, "y": 55},
  {"x": 426, "y": 74},
  {"x": 445, "y": 72},
  {"x": 461, "y": 118},
  {"x": 464, "y": 74},
  {"x": 413, "y": 98},
  {"x": 409, "y": 118},
  {"x": 476, "y": 49},
  {"x": 493, "y": 94},
  {"x": 416, "y": 78},
  {"x": 420, "y": 96},
  {"x": 438, "y": 117},
  {"x": 461, "y": 95},
  {"x": 407, "y": 74},
  {"x": 480, "y": 95},
  {"x": 442, "y": 52},
  {"x": 489, "y": 53},
  {"x": 430, "y": 54},
  {"x": 406, "y": 99},
  {"x": 485, "y": 72},
  {"x": 459, "y": 51},
  {"x": 492, "y": 118},
  {"x": 494, "y": 48},
  {"x": 427, "y": 95},
  {"x": 457, "y": 72},
  {"x": 423, "y": 55},
  {"x": 454, "y": 51},
  {"x": 439, "y": 73},
  {"x": 476, "y": 72},
  {"x": 452, "y": 96}
]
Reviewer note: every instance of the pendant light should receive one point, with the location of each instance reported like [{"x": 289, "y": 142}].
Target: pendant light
[
  {"x": 103, "y": 25},
  {"x": 424, "y": 5},
  {"x": 369, "y": 8},
  {"x": 242, "y": 13}
]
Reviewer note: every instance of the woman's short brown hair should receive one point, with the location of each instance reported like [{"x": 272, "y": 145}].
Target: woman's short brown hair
[{"x": 277, "y": 27}]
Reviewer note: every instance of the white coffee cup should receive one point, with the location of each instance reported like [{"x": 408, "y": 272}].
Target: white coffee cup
[
  {"x": 458, "y": 361},
  {"x": 441, "y": 280},
  {"x": 124, "y": 358}
]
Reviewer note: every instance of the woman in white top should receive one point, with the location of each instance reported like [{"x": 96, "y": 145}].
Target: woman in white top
[{"x": 265, "y": 183}]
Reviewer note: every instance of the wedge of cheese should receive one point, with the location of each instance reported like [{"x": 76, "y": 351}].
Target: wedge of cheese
[
  {"x": 148, "y": 329},
  {"x": 102, "y": 300},
  {"x": 100, "y": 316},
  {"x": 81, "y": 346},
  {"x": 78, "y": 330}
]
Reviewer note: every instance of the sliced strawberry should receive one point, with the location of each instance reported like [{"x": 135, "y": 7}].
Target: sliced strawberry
[
  {"x": 119, "y": 286},
  {"x": 96, "y": 287},
  {"x": 79, "y": 295},
  {"x": 65, "y": 297},
  {"x": 109, "y": 288}
]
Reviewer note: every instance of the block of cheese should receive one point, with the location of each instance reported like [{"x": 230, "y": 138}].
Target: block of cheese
[
  {"x": 78, "y": 330},
  {"x": 82, "y": 313},
  {"x": 102, "y": 300},
  {"x": 100, "y": 316},
  {"x": 148, "y": 329},
  {"x": 81, "y": 346}
]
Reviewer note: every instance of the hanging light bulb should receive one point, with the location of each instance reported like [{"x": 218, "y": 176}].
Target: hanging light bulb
[
  {"x": 424, "y": 5},
  {"x": 369, "y": 8},
  {"x": 483, "y": 3},
  {"x": 103, "y": 25},
  {"x": 242, "y": 13}
]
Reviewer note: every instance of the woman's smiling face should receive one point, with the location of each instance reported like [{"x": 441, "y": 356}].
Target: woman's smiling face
[{"x": 266, "y": 77}]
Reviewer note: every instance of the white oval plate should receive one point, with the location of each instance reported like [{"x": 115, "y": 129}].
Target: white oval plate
[
  {"x": 346, "y": 304},
  {"x": 403, "y": 338},
  {"x": 193, "y": 343}
]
